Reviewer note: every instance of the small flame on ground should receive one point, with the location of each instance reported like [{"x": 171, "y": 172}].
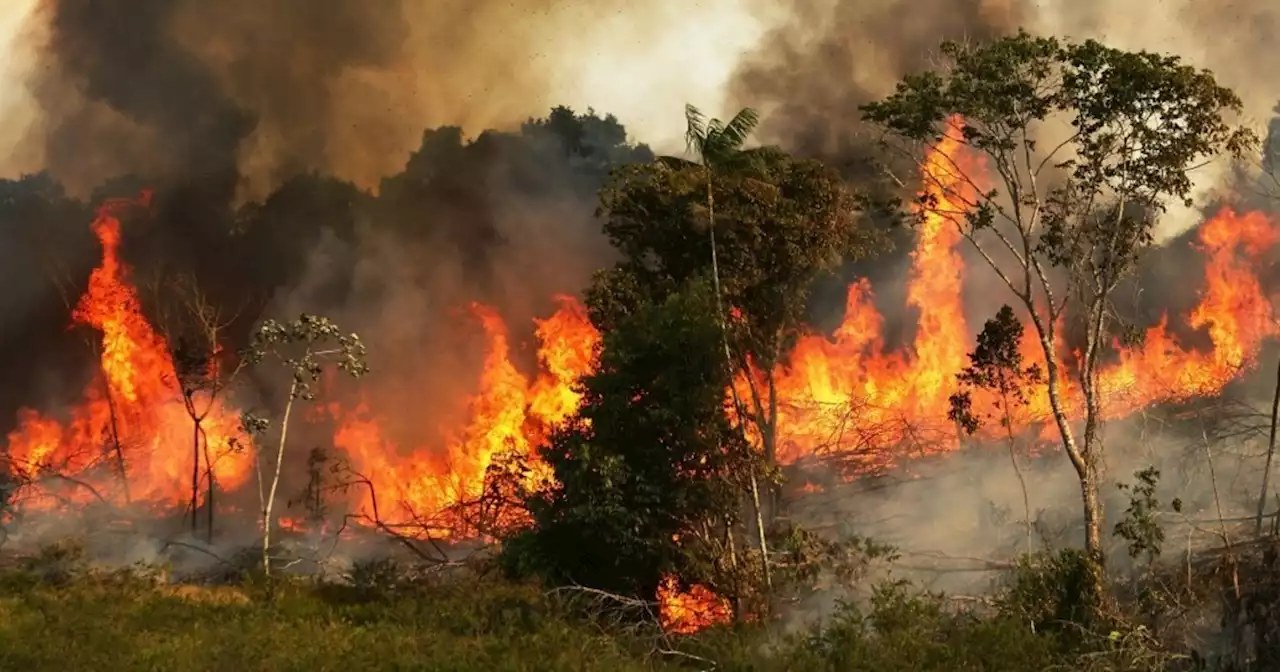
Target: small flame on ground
[{"x": 689, "y": 611}]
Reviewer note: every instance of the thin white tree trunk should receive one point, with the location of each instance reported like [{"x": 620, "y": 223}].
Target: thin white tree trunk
[
  {"x": 270, "y": 500},
  {"x": 1271, "y": 451},
  {"x": 728, "y": 360}
]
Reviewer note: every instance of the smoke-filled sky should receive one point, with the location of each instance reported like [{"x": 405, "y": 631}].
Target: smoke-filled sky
[
  {"x": 350, "y": 89},
  {"x": 15, "y": 106}
]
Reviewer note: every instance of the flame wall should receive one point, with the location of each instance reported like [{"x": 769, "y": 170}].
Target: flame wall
[{"x": 844, "y": 394}]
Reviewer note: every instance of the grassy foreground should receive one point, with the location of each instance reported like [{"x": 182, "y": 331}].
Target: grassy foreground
[
  {"x": 89, "y": 621},
  {"x": 122, "y": 623}
]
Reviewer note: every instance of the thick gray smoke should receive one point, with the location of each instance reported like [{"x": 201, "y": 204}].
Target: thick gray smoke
[
  {"x": 812, "y": 72},
  {"x": 118, "y": 89},
  {"x": 276, "y": 87}
]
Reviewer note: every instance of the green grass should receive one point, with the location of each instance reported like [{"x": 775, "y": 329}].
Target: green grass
[
  {"x": 117, "y": 623},
  {"x": 120, "y": 622}
]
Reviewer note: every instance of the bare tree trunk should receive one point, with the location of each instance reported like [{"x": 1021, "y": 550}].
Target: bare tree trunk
[
  {"x": 195, "y": 476},
  {"x": 1082, "y": 460},
  {"x": 764, "y": 548},
  {"x": 209, "y": 503},
  {"x": 732, "y": 548},
  {"x": 270, "y": 500},
  {"x": 770, "y": 430},
  {"x": 1271, "y": 451},
  {"x": 121, "y": 471},
  {"x": 1091, "y": 451},
  {"x": 1089, "y": 493},
  {"x": 1017, "y": 469},
  {"x": 728, "y": 360},
  {"x": 771, "y": 445},
  {"x": 715, "y": 276},
  {"x": 1089, "y": 488}
]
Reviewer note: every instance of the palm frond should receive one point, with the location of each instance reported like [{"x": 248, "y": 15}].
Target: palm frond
[
  {"x": 715, "y": 142},
  {"x": 735, "y": 133},
  {"x": 695, "y": 134},
  {"x": 713, "y": 146}
]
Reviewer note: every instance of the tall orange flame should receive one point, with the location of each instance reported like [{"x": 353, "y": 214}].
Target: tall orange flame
[
  {"x": 509, "y": 414},
  {"x": 828, "y": 377},
  {"x": 134, "y": 412}
]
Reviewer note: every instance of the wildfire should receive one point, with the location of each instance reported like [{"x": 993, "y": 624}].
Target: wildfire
[
  {"x": 848, "y": 395},
  {"x": 131, "y": 437},
  {"x": 686, "y": 612},
  {"x": 509, "y": 415},
  {"x": 827, "y": 378}
]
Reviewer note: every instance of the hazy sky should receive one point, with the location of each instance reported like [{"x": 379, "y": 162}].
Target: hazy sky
[
  {"x": 15, "y": 110},
  {"x": 644, "y": 61},
  {"x": 647, "y": 81},
  {"x": 645, "y": 77}
]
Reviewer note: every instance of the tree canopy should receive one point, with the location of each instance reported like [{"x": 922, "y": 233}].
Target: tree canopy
[{"x": 781, "y": 223}]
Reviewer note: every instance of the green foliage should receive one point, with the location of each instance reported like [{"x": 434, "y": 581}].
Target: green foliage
[
  {"x": 58, "y": 563},
  {"x": 304, "y": 346},
  {"x": 378, "y": 576},
  {"x": 384, "y": 620},
  {"x": 778, "y": 227},
  {"x": 649, "y": 473},
  {"x": 995, "y": 365},
  {"x": 906, "y": 632},
  {"x": 275, "y": 238},
  {"x": 593, "y": 144},
  {"x": 1271, "y": 147},
  {"x": 1053, "y": 595},
  {"x": 464, "y": 183},
  {"x": 314, "y": 497},
  {"x": 1140, "y": 526},
  {"x": 718, "y": 146},
  {"x": 1053, "y": 592},
  {"x": 806, "y": 564},
  {"x": 1138, "y": 123},
  {"x": 1140, "y": 119}
]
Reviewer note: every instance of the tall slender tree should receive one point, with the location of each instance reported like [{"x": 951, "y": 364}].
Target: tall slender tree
[
  {"x": 1072, "y": 216},
  {"x": 717, "y": 147},
  {"x": 779, "y": 222},
  {"x": 720, "y": 147}
]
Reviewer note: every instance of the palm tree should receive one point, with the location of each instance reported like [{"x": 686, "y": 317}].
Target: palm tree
[{"x": 718, "y": 150}]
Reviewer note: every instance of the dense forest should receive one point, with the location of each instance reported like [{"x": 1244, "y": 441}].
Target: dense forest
[{"x": 314, "y": 430}]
